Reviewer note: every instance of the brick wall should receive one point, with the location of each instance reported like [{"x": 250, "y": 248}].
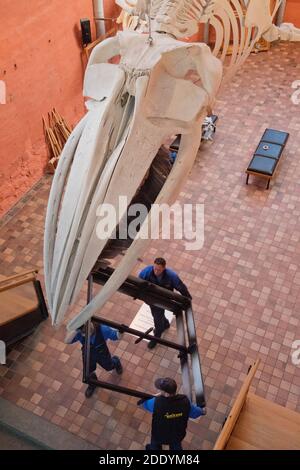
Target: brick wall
[{"x": 42, "y": 67}]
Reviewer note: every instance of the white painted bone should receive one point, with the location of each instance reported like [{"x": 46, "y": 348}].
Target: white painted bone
[
  {"x": 77, "y": 247},
  {"x": 133, "y": 108},
  {"x": 56, "y": 193},
  {"x": 183, "y": 164},
  {"x": 284, "y": 32}
]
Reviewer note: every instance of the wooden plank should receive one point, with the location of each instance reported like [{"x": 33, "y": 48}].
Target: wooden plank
[
  {"x": 236, "y": 443},
  {"x": 18, "y": 279},
  {"x": 271, "y": 411},
  {"x": 267, "y": 423},
  {"x": 236, "y": 409},
  {"x": 88, "y": 49},
  {"x": 262, "y": 427},
  {"x": 15, "y": 304},
  {"x": 269, "y": 406},
  {"x": 267, "y": 433}
]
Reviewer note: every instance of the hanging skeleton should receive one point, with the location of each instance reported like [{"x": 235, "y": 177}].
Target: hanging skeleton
[{"x": 161, "y": 87}]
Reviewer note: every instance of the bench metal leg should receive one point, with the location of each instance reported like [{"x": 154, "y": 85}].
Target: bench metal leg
[{"x": 247, "y": 179}]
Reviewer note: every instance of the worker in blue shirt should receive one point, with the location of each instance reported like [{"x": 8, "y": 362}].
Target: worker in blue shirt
[
  {"x": 172, "y": 155},
  {"x": 99, "y": 352},
  {"x": 171, "y": 413},
  {"x": 162, "y": 276}
]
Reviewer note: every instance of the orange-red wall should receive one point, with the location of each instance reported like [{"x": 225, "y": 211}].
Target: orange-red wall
[
  {"x": 41, "y": 64},
  {"x": 292, "y": 14},
  {"x": 111, "y": 10}
]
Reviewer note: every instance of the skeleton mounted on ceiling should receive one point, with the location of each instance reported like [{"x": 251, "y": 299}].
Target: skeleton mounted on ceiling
[{"x": 161, "y": 87}]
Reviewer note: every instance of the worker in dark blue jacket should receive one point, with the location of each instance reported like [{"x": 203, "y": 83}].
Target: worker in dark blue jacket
[
  {"x": 171, "y": 413},
  {"x": 162, "y": 276},
  {"x": 99, "y": 352}
]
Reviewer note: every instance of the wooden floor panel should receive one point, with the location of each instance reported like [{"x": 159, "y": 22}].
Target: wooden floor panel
[
  {"x": 265, "y": 425},
  {"x": 17, "y": 302}
]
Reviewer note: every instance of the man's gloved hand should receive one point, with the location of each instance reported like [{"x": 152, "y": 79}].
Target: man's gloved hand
[
  {"x": 70, "y": 336},
  {"x": 120, "y": 332},
  {"x": 141, "y": 401}
]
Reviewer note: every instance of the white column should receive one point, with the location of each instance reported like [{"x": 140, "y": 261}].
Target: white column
[
  {"x": 206, "y": 33},
  {"x": 99, "y": 13},
  {"x": 281, "y": 12}
]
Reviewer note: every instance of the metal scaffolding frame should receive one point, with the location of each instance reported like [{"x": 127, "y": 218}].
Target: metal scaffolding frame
[{"x": 186, "y": 346}]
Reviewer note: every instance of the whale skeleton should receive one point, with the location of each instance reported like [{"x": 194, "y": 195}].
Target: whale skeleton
[{"x": 161, "y": 87}]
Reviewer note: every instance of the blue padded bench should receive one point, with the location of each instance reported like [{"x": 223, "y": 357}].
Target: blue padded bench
[{"x": 267, "y": 155}]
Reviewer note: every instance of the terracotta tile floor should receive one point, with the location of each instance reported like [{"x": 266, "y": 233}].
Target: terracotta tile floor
[{"x": 245, "y": 281}]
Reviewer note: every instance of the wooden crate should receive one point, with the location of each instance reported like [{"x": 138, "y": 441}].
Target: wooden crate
[{"x": 22, "y": 306}]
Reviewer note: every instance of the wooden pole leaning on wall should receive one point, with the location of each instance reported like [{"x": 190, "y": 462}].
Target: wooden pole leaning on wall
[
  {"x": 88, "y": 49},
  {"x": 56, "y": 132}
]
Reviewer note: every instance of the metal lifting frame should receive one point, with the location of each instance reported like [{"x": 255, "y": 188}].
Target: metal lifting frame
[{"x": 164, "y": 298}]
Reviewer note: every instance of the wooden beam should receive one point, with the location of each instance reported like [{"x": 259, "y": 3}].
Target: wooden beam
[
  {"x": 88, "y": 49},
  {"x": 18, "y": 279},
  {"x": 236, "y": 409}
]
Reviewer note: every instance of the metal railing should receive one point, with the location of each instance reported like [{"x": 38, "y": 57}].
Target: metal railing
[{"x": 186, "y": 346}]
